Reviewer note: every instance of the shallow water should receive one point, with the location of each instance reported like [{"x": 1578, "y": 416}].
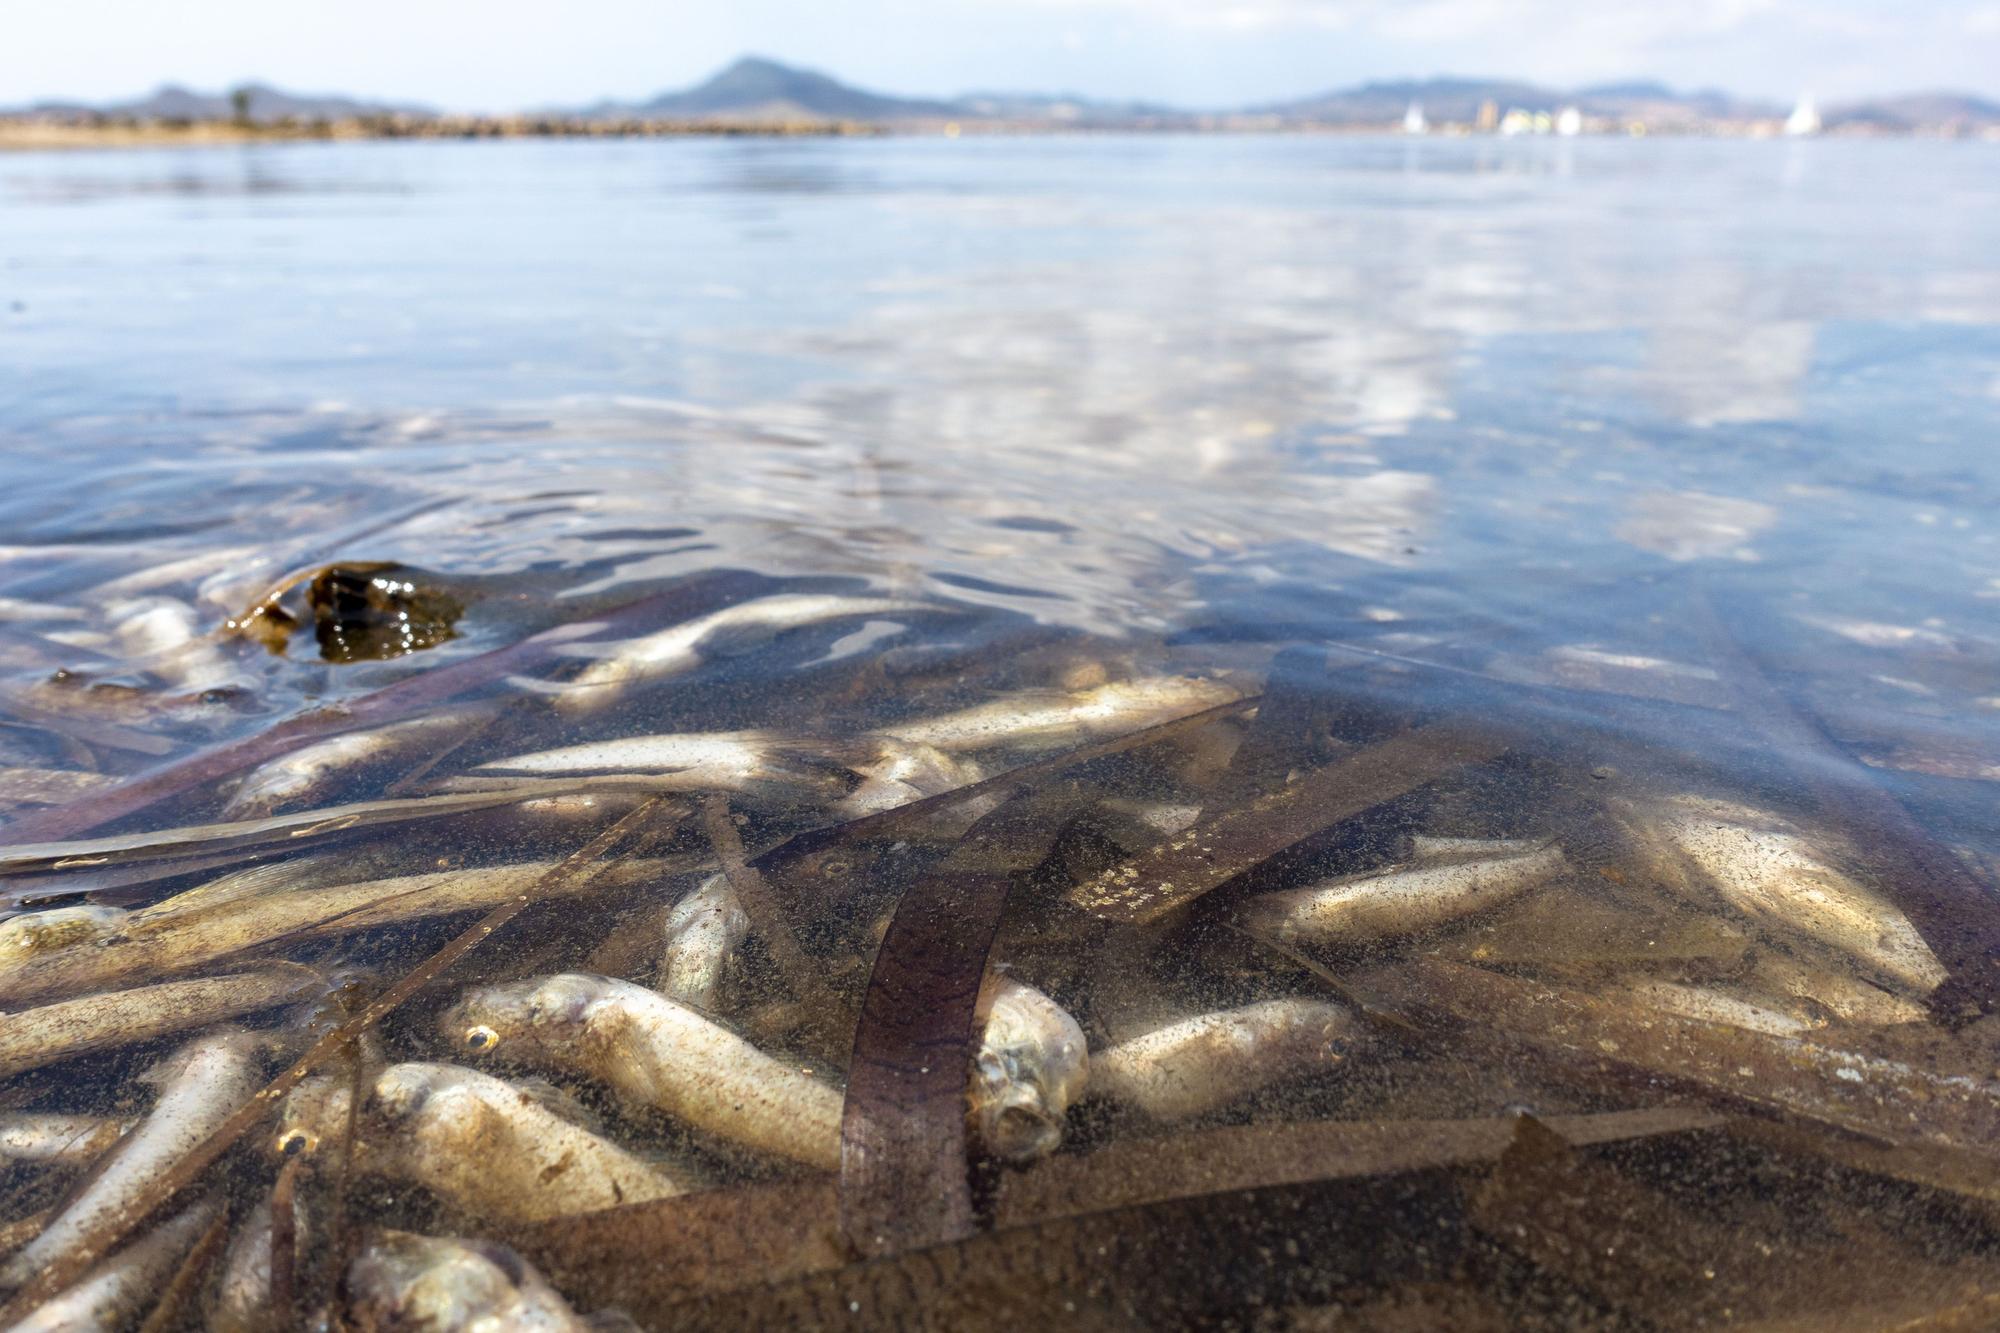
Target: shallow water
[{"x": 1651, "y": 483}]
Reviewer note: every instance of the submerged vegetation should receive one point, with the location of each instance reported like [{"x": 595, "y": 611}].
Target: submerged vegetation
[{"x": 685, "y": 960}]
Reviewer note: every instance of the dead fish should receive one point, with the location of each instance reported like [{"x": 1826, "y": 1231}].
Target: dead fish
[
  {"x": 404, "y": 1283},
  {"x": 683, "y": 647},
  {"x": 1428, "y": 849},
  {"x": 1159, "y": 819},
  {"x": 272, "y": 830},
  {"x": 1719, "y": 1004},
  {"x": 241, "y": 1301},
  {"x": 657, "y": 1052},
  {"x": 47, "y": 786},
  {"x": 596, "y": 809},
  {"x": 1847, "y": 997},
  {"x": 35, "y": 1037},
  {"x": 480, "y": 1143},
  {"x": 147, "y": 626},
  {"x": 1032, "y": 1063},
  {"x": 48, "y": 1138},
  {"x": 306, "y": 771},
  {"x": 236, "y": 889},
  {"x": 1767, "y": 870},
  {"x": 34, "y": 935},
  {"x": 896, "y": 772},
  {"x": 163, "y": 636},
  {"x": 703, "y": 931},
  {"x": 201, "y": 1085},
  {"x": 695, "y": 761},
  {"x": 115, "y": 1291},
  {"x": 1197, "y": 1064},
  {"x": 1573, "y": 931},
  {"x": 1047, "y": 718},
  {"x": 160, "y": 941},
  {"x": 1400, "y": 902}
]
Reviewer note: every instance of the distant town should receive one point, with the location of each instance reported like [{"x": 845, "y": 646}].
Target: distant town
[{"x": 760, "y": 96}]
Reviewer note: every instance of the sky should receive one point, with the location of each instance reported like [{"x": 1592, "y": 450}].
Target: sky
[{"x": 497, "y": 55}]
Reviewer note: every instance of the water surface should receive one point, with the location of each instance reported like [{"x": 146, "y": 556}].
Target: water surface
[{"x": 1672, "y": 461}]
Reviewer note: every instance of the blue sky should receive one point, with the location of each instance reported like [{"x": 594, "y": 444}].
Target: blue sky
[{"x": 505, "y": 54}]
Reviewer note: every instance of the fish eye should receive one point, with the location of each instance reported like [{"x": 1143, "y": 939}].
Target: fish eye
[
  {"x": 481, "y": 1038},
  {"x": 295, "y": 1141}
]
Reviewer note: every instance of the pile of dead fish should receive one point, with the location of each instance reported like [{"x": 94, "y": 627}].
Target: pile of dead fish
[{"x": 1202, "y": 917}]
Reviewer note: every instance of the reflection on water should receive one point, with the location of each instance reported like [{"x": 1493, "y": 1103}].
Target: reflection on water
[{"x": 1461, "y": 674}]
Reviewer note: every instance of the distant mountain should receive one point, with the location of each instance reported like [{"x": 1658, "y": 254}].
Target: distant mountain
[
  {"x": 267, "y": 105},
  {"x": 1915, "y": 111},
  {"x": 1657, "y": 104},
  {"x": 1459, "y": 99},
  {"x": 758, "y": 89}
]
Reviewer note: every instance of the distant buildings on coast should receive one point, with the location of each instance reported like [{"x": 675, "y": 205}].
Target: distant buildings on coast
[{"x": 1569, "y": 121}]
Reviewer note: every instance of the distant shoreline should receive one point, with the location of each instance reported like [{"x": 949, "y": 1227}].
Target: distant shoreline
[
  {"x": 31, "y": 134},
  {"x": 28, "y": 134}
]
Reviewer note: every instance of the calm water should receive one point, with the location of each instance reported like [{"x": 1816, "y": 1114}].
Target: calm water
[{"x": 1675, "y": 461}]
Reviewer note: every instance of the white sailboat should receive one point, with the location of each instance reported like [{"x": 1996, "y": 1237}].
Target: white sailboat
[
  {"x": 1413, "y": 120},
  {"x": 1569, "y": 122},
  {"x": 1804, "y": 119}
]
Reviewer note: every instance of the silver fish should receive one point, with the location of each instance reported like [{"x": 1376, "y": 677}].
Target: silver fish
[
  {"x": 1032, "y": 1063},
  {"x": 404, "y": 1283},
  {"x": 241, "y": 1299},
  {"x": 163, "y": 636},
  {"x": 1198, "y": 1064},
  {"x": 53, "y": 1139},
  {"x": 683, "y": 647},
  {"x": 35, "y": 1037},
  {"x": 1428, "y": 848},
  {"x": 201, "y": 1085},
  {"x": 488, "y": 1147},
  {"x": 896, "y": 772},
  {"x": 115, "y": 1291},
  {"x": 703, "y": 931},
  {"x": 47, "y": 786},
  {"x": 690, "y": 761},
  {"x": 1765, "y": 868},
  {"x": 657, "y": 1052},
  {"x": 37, "y": 934},
  {"x": 1721, "y": 1004},
  {"x": 305, "y": 771},
  {"x": 183, "y": 933},
  {"x": 1400, "y": 902},
  {"x": 1832, "y": 988},
  {"x": 1047, "y": 718}
]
